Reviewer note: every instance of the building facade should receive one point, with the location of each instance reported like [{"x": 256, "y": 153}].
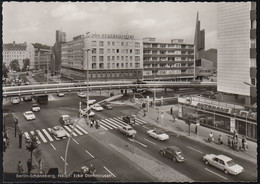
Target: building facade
[
  {"x": 167, "y": 61},
  {"x": 42, "y": 56},
  {"x": 105, "y": 56},
  {"x": 236, "y": 33}
]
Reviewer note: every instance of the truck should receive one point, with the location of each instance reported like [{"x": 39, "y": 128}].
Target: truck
[
  {"x": 127, "y": 130},
  {"x": 41, "y": 99}
]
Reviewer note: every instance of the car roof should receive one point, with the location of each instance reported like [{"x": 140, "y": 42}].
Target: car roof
[
  {"x": 28, "y": 112},
  {"x": 65, "y": 115},
  {"x": 174, "y": 148},
  {"x": 225, "y": 158}
]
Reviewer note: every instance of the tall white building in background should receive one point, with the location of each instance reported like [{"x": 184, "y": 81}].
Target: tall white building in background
[{"x": 236, "y": 35}]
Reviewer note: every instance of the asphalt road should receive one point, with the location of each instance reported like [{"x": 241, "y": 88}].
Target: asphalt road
[{"x": 86, "y": 149}]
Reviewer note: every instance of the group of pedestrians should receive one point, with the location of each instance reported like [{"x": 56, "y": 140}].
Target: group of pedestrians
[
  {"x": 94, "y": 123},
  {"x": 88, "y": 170},
  {"x": 20, "y": 166}
]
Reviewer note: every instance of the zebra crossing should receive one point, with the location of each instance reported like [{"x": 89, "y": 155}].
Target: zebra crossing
[{"x": 45, "y": 135}]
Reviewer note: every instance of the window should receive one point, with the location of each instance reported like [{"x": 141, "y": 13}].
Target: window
[
  {"x": 137, "y": 51},
  {"x": 117, "y": 65},
  {"x": 137, "y": 65},
  {"x": 101, "y": 51},
  {"x": 117, "y": 43},
  {"x": 126, "y": 58},
  {"x": 137, "y": 44},
  {"x": 113, "y": 58},
  {"x": 113, "y": 50},
  {"x": 131, "y": 58},
  {"x": 131, "y": 65},
  {"x": 122, "y": 43},
  {"x": 122, "y": 58},
  {"x": 113, "y": 65},
  {"x": 137, "y": 58},
  {"x": 122, "y": 50},
  {"x": 94, "y": 58},
  {"x": 101, "y": 65},
  {"x": 126, "y": 51},
  {"x": 117, "y": 50},
  {"x": 108, "y": 65},
  {"x": 113, "y": 43},
  {"x": 253, "y": 24},
  {"x": 101, "y": 43},
  {"x": 253, "y": 81},
  {"x": 101, "y": 58},
  {"x": 94, "y": 43},
  {"x": 122, "y": 65},
  {"x": 108, "y": 43},
  {"x": 126, "y": 43},
  {"x": 126, "y": 65},
  {"x": 108, "y": 58},
  {"x": 94, "y": 65},
  {"x": 130, "y": 51},
  {"x": 108, "y": 50}
]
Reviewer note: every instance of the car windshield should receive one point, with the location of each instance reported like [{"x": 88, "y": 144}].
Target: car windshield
[
  {"x": 29, "y": 113},
  {"x": 230, "y": 163},
  {"x": 35, "y": 105},
  {"x": 130, "y": 128},
  {"x": 66, "y": 118}
]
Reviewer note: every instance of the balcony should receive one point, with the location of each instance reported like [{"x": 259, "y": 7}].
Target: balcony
[
  {"x": 252, "y": 33},
  {"x": 253, "y": 15},
  {"x": 252, "y": 53},
  {"x": 253, "y": 72}
]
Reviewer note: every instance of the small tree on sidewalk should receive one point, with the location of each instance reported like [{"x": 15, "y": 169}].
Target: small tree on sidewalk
[{"x": 32, "y": 145}]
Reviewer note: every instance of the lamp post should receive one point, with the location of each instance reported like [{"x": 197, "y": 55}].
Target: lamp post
[{"x": 87, "y": 85}]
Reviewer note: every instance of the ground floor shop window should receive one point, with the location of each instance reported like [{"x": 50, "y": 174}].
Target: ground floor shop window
[
  {"x": 251, "y": 130},
  {"x": 241, "y": 127}
]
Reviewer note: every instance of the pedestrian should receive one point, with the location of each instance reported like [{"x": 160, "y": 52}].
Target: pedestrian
[
  {"x": 97, "y": 124},
  {"x": 20, "y": 167},
  {"x": 91, "y": 124},
  {"x": 29, "y": 165},
  {"x": 6, "y": 136},
  {"x": 244, "y": 144},
  {"x": 92, "y": 169},
  {"x": 171, "y": 110},
  {"x": 211, "y": 138},
  {"x": 4, "y": 144},
  {"x": 220, "y": 140},
  {"x": 229, "y": 141},
  {"x": 196, "y": 129},
  {"x": 20, "y": 139}
]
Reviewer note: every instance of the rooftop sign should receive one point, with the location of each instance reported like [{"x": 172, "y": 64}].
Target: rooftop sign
[{"x": 112, "y": 36}]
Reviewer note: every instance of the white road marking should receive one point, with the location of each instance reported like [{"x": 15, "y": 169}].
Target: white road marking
[
  {"x": 73, "y": 133},
  {"x": 138, "y": 142},
  {"x": 84, "y": 131},
  {"x": 90, "y": 154},
  {"x": 116, "y": 121},
  {"x": 52, "y": 146},
  {"x": 41, "y": 136},
  {"x": 76, "y": 130},
  {"x": 108, "y": 124},
  {"x": 27, "y": 136},
  {"x": 115, "y": 124},
  {"x": 63, "y": 160},
  {"x": 75, "y": 141},
  {"x": 105, "y": 125},
  {"x": 141, "y": 121},
  {"x": 120, "y": 121},
  {"x": 150, "y": 141},
  {"x": 216, "y": 174},
  {"x": 109, "y": 172},
  {"x": 146, "y": 127},
  {"x": 47, "y": 134},
  {"x": 194, "y": 149}
]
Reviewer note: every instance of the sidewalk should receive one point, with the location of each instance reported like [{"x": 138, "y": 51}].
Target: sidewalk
[{"x": 181, "y": 128}]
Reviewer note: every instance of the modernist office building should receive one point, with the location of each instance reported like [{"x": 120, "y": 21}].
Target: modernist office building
[
  {"x": 167, "y": 61},
  {"x": 236, "y": 33},
  {"x": 42, "y": 56},
  {"x": 105, "y": 56}
]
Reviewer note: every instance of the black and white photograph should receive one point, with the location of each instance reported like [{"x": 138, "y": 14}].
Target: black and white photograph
[{"x": 129, "y": 92}]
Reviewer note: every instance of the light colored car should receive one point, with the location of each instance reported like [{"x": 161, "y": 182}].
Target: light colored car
[
  {"x": 83, "y": 112},
  {"x": 174, "y": 153},
  {"x": 35, "y": 108},
  {"x": 97, "y": 107},
  {"x": 60, "y": 94},
  {"x": 15, "y": 100},
  {"x": 158, "y": 134},
  {"x": 82, "y": 95},
  {"x": 65, "y": 120},
  {"x": 59, "y": 132},
  {"x": 29, "y": 115},
  {"x": 223, "y": 163},
  {"x": 90, "y": 102},
  {"x": 127, "y": 130}
]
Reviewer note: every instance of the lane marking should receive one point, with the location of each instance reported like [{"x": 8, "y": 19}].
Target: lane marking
[
  {"x": 109, "y": 172},
  {"x": 73, "y": 133},
  {"x": 52, "y": 146},
  {"x": 144, "y": 122},
  {"x": 76, "y": 130},
  {"x": 138, "y": 142},
  {"x": 63, "y": 160},
  {"x": 216, "y": 174},
  {"x": 103, "y": 127},
  {"x": 115, "y": 124},
  {"x": 90, "y": 154},
  {"x": 195, "y": 149},
  {"x": 27, "y": 136},
  {"x": 75, "y": 141},
  {"x": 84, "y": 131},
  {"x": 41, "y": 136},
  {"x": 150, "y": 141},
  {"x": 47, "y": 134}
]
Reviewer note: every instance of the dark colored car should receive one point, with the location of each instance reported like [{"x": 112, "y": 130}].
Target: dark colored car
[
  {"x": 106, "y": 106},
  {"x": 129, "y": 120},
  {"x": 27, "y": 98},
  {"x": 174, "y": 153},
  {"x": 208, "y": 94}
]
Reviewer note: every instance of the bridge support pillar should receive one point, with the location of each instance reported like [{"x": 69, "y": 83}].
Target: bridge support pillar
[
  {"x": 125, "y": 91},
  {"x": 165, "y": 89}
]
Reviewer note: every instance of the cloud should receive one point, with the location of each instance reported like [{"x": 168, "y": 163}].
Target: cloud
[
  {"x": 146, "y": 23},
  {"x": 69, "y": 12},
  {"x": 29, "y": 27}
]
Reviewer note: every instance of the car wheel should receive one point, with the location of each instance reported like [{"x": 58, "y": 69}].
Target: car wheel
[
  {"x": 206, "y": 162},
  {"x": 174, "y": 159},
  {"x": 162, "y": 153},
  {"x": 225, "y": 171}
]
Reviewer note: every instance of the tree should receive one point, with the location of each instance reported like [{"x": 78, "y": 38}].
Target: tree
[
  {"x": 14, "y": 65},
  {"x": 4, "y": 70},
  {"x": 26, "y": 63},
  {"x": 32, "y": 145}
]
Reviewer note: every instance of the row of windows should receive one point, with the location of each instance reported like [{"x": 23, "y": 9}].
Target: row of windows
[
  {"x": 112, "y": 58},
  {"x": 130, "y": 44},
  {"x": 114, "y": 74},
  {"x": 12, "y": 52},
  {"x": 101, "y": 51},
  {"x": 114, "y": 65}
]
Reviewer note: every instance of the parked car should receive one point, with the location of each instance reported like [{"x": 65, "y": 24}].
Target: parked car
[
  {"x": 158, "y": 134},
  {"x": 97, "y": 107},
  {"x": 27, "y": 83},
  {"x": 29, "y": 115},
  {"x": 65, "y": 120},
  {"x": 90, "y": 102},
  {"x": 106, "y": 105},
  {"x": 223, "y": 163},
  {"x": 84, "y": 112},
  {"x": 60, "y": 94},
  {"x": 35, "y": 107},
  {"x": 208, "y": 94},
  {"x": 27, "y": 98},
  {"x": 127, "y": 130},
  {"x": 129, "y": 120},
  {"x": 174, "y": 153},
  {"x": 15, "y": 100},
  {"x": 59, "y": 132},
  {"x": 82, "y": 94}
]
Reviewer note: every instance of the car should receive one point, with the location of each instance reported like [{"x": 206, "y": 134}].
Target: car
[
  {"x": 27, "y": 83},
  {"x": 223, "y": 163},
  {"x": 83, "y": 112},
  {"x": 59, "y": 132},
  {"x": 35, "y": 107},
  {"x": 127, "y": 130},
  {"x": 65, "y": 120},
  {"x": 106, "y": 105},
  {"x": 158, "y": 134},
  {"x": 90, "y": 102},
  {"x": 29, "y": 115},
  {"x": 97, "y": 107},
  {"x": 15, "y": 100},
  {"x": 60, "y": 94},
  {"x": 27, "y": 98},
  {"x": 129, "y": 120},
  {"x": 82, "y": 95},
  {"x": 33, "y": 75},
  {"x": 174, "y": 153}
]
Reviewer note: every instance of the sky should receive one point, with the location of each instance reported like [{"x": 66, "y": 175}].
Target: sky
[{"x": 37, "y": 22}]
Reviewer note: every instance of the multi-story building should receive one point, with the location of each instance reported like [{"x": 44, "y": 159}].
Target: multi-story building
[
  {"x": 42, "y": 56},
  {"x": 12, "y": 51},
  {"x": 167, "y": 61},
  {"x": 105, "y": 56},
  {"x": 236, "y": 33}
]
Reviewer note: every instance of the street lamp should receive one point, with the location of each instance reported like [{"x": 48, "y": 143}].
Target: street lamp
[{"x": 88, "y": 85}]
